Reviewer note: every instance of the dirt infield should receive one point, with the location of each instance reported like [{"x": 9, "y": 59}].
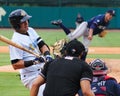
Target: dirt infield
[
  {"x": 112, "y": 63},
  {"x": 92, "y": 50}
]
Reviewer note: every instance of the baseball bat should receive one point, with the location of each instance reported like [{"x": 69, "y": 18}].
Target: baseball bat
[{"x": 8, "y": 41}]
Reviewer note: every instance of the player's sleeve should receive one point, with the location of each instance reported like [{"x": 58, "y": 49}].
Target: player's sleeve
[
  {"x": 33, "y": 33},
  {"x": 114, "y": 87},
  {"x": 117, "y": 89},
  {"x": 86, "y": 72},
  {"x": 39, "y": 41},
  {"x": 15, "y": 53},
  {"x": 96, "y": 22}
]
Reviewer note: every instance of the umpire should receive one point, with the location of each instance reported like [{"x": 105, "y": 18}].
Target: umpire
[{"x": 66, "y": 75}]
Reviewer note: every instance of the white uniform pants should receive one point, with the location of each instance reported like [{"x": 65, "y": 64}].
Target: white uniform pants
[
  {"x": 28, "y": 80},
  {"x": 80, "y": 31}
]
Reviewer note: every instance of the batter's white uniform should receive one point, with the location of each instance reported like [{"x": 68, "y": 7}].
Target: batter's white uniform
[{"x": 27, "y": 74}]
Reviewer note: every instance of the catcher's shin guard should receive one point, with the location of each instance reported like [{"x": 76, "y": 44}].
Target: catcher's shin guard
[{"x": 83, "y": 57}]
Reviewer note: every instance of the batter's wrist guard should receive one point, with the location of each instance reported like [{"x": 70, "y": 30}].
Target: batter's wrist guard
[
  {"x": 48, "y": 56},
  {"x": 28, "y": 63}
]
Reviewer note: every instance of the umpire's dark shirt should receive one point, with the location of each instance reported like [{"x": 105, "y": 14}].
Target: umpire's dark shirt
[{"x": 63, "y": 76}]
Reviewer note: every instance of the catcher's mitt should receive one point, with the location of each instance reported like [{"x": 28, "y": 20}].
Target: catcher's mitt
[
  {"x": 57, "y": 47},
  {"x": 102, "y": 34}
]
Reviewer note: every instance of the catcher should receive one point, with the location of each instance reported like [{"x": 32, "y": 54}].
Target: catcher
[
  {"x": 103, "y": 84},
  {"x": 88, "y": 29}
]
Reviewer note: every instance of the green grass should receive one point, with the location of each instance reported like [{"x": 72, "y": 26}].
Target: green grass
[
  {"x": 107, "y": 56},
  {"x": 111, "y": 40},
  {"x": 4, "y": 59},
  {"x": 50, "y": 36},
  {"x": 10, "y": 85}
]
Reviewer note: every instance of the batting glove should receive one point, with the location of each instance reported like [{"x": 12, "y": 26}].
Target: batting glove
[
  {"x": 39, "y": 60},
  {"x": 48, "y": 58}
]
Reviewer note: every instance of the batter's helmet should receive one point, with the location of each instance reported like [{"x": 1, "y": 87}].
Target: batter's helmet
[
  {"x": 99, "y": 67},
  {"x": 18, "y": 16}
]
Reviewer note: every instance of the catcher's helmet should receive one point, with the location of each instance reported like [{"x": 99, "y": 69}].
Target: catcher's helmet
[
  {"x": 18, "y": 16},
  {"x": 99, "y": 67}
]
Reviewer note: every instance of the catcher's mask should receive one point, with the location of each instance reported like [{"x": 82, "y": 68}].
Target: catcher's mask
[
  {"x": 74, "y": 48},
  {"x": 18, "y": 16},
  {"x": 99, "y": 67}
]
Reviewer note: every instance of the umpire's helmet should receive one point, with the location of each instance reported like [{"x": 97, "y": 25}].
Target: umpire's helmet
[
  {"x": 18, "y": 16},
  {"x": 74, "y": 48},
  {"x": 99, "y": 67}
]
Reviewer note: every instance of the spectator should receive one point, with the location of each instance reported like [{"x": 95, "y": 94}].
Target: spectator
[{"x": 79, "y": 20}]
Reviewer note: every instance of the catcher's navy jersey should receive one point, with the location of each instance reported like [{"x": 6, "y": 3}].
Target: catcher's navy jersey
[
  {"x": 104, "y": 86},
  {"x": 98, "y": 24}
]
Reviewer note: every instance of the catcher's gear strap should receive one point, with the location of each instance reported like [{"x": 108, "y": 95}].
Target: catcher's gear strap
[{"x": 102, "y": 34}]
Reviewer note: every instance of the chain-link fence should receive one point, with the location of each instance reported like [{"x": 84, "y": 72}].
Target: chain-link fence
[{"x": 75, "y": 3}]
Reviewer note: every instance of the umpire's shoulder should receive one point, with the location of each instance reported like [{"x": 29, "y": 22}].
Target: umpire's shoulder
[
  {"x": 85, "y": 64},
  {"x": 81, "y": 61}
]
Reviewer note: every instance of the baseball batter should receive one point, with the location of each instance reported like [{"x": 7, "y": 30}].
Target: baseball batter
[
  {"x": 88, "y": 29},
  {"x": 29, "y": 65}
]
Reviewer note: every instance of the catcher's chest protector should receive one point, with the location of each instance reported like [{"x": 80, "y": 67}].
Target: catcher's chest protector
[{"x": 99, "y": 87}]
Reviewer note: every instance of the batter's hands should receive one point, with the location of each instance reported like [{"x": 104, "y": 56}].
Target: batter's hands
[
  {"x": 48, "y": 58},
  {"x": 39, "y": 60}
]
